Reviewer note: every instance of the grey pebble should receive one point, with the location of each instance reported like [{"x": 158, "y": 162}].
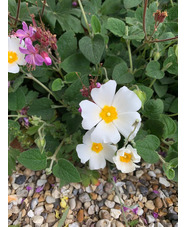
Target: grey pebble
[
  {"x": 30, "y": 214},
  {"x": 50, "y": 199},
  {"x": 109, "y": 204},
  {"x": 172, "y": 217},
  {"x": 72, "y": 203},
  {"x": 91, "y": 210},
  {"x": 152, "y": 196},
  {"x": 20, "y": 179},
  {"x": 164, "y": 181},
  {"x": 143, "y": 190},
  {"x": 104, "y": 214},
  {"x": 104, "y": 196},
  {"x": 38, "y": 210},
  {"x": 41, "y": 182},
  {"x": 75, "y": 191},
  {"x": 150, "y": 218},
  {"x": 130, "y": 187},
  {"x": 75, "y": 224},
  {"x": 108, "y": 188},
  {"x": 103, "y": 223},
  {"x": 84, "y": 197},
  {"x": 99, "y": 189},
  {"x": 34, "y": 203},
  {"x": 22, "y": 193}
]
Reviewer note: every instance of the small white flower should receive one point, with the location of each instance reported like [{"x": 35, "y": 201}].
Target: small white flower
[
  {"x": 96, "y": 153},
  {"x": 126, "y": 158},
  {"x": 15, "y": 57},
  {"x": 112, "y": 113}
]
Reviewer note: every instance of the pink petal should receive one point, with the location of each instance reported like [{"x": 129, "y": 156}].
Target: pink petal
[
  {"x": 23, "y": 50},
  {"x": 30, "y": 59},
  {"x": 48, "y": 61},
  {"x": 25, "y": 27},
  {"x": 38, "y": 60}
]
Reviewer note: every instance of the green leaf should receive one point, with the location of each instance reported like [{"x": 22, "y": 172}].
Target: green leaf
[
  {"x": 120, "y": 74},
  {"x": 71, "y": 77},
  {"x": 174, "y": 163},
  {"x": 66, "y": 171},
  {"x": 172, "y": 61},
  {"x": 116, "y": 26},
  {"x": 153, "y": 70},
  {"x": 131, "y": 3},
  {"x": 42, "y": 108},
  {"x": 92, "y": 49},
  {"x": 12, "y": 158},
  {"x": 31, "y": 96},
  {"x": 155, "y": 127},
  {"x": 95, "y": 24},
  {"x": 161, "y": 90},
  {"x": 67, "y": 44},
  {"x": 33, "y": 159},
  {"x": 13, "y": 130},
  {"x": 16, "y": 100},
  {"x": 169, "y": 126},
  {"x": 57, "y": 84},
  {"x": 146, "y": 148},
  {"x": 174, "y": 106},
  {"x": 75, "y": 63},
  {"x": 153, "y": 108},
  {"x": 62, "y": 220},
  {"x": 169, "y": 171}
]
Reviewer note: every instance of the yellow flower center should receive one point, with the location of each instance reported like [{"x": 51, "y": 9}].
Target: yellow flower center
[
  {"x": 126, "y": 157},
  {"x": 97, "y": 147},
  {"x": 108, "y": 114},
  {"x": 12, "y": 57}
]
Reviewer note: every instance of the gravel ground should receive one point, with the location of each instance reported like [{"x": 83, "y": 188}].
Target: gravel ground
[{"x": 35, "y": 199}]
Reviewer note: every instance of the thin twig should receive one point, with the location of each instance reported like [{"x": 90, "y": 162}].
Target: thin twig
[
  {"x": 144, "y": 18},
  {"x": 18, "y": 9},
  {"x": 44, "y": 4},
  {"x": 162, "y": 40}
]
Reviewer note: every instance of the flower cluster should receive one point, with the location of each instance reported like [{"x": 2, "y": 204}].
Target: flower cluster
[
  {"x": 107, "y": 116},
  {"x": 159, "y": 17},
  {"x": 36, "y": 54}
]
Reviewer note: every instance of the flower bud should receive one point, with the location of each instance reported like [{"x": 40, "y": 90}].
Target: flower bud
[
  {"x": 141, "y": 95},
  {"x": 157, "y": 55},
  {"x": 47, "y": 59}
]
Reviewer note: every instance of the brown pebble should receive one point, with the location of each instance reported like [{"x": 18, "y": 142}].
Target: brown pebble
[
  {"x": 23, "y": 213},
  {"x": 36, "y": 195},
  {"x": 41, "y": 198},
  {"x": 155, "y": 186},
  {"x": 80, "y": 216},
  {"x": 162, "y": 213},
  {"x": 47, "y": 186},
  {"x": 51, "y": 179},
  {"x": 150, "y": 205},
  {"x": 111, "y": 197},
  {"x": 141, "y": 204},
  {"x": 93, "y": 196},
  {"x": 158, "y": 203},
  {"x": 122, "y": 176},
  {"x": 49, "y": 207},
  {"x": 174, "y": 198},
  {"x": 168, "y": 202},
  {"x": 176, "y": 209},
  {"x": 9, "y": 213}
]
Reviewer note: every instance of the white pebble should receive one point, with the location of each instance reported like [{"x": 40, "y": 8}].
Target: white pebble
[
  {"x": 164, "y": 181},
  {"x": 30, "y": 213},
  {"x": 115, "y": 213},
  {"x": 41, "y": 182}
]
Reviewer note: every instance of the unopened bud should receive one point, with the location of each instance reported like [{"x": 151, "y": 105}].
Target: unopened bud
[
  {"x": 157, "y": 55},
  {"x": 141, "y": 95}
]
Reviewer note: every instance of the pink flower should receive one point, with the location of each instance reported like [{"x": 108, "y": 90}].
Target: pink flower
[
  {"x": 98, "y": 85},
  {"x": 135, "y": 210},
  {"x": 80, "y": 110},
  {"x": 25, "y": 32},
  {"x": 40, "y": 188},
  {"x": 32, "y": 58},
  {"x": 47, "y": 59},
  {"x": 155, "y": 214}
]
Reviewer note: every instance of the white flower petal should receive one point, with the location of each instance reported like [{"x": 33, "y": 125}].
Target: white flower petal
[
  {"x": 83, "y": 152},
  {"x": 104, "y": 95},
  {"x": 109, "y": 151},
  {"x": 126, "y": 100},
  {"x": 105, "y": 133},
  {"x": 97, "y": 161},
  {"x": 13, "y": 68},
  {"x": 126, "y": 167},
  {"x": 87, "y": 138},
  {"x": 136, "y": 157},
  {"x": 90, "y": 113},
  {"x": 124, "y": 123},
  {"x": 21, "y": 59}
]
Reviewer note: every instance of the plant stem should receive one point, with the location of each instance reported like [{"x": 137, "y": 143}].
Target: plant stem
[
  {"x": 84, "y": 16},
  {"x": 162, "y": 40},
  {"x": 17, "y": 15},
  {"x": 44, "y": 4},
  {"x": 121, "y": 203},
  {"x": 18, "y": 116},
  {"x": 144, "y": 18},
  {"x": 152, "y": 83},
  {"x": 161, "y": 159},
  {"x": 129, "y": 50},
  {"x": 172, "y": 3},
  {"x": 173, "y": 115}
]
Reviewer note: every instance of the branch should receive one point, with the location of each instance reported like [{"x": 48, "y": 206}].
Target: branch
[
  {"x": 44, "y": 4},
  {"x": 144, "y": 17},
  {"x": 18, "y": 9},
  {"x": 162, "y": 40}
]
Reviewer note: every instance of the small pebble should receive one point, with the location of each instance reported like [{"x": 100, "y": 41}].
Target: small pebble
[
  {"x": 164, "y": 181},
  {"x": 103, "y": 223},
  {"x": 130, "y": 187},
  {"x": 99, "y": 189},
  {"x": 150, "y": 218},
  {"x": 150, "y": 205},
  {"x": 109, "y": 204},
  {"x": 50, "y": 218},
  {"x": 91, "y": 210},
  {"x": 104, "y": 214},
  {"x": 151, "y": 174},
  {"x": 139, "y": 173},
  {"x": 108, "y": 188},
  {"x": 34, "y": 203},
  {"x": 38, "y": 210},
  {"x": 30, "y": 213},
  {"x": 115, "y": 213},
  {"x": 72, "y": 203},
  {"x": 50, "y": 199},
  {"x": 143, "y": 190},
  {"x": 20, "y": 179},
  {"x": 75, "y": 224},
  {"x": 84, "y": 197},
  {"x": 38, "y": 220},
  {"x": 41, "y": 182}
]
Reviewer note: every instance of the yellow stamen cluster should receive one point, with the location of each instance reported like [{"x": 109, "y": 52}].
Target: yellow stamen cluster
[
  {"x": 108, "y": 114},
  {"x": 97, "y": 147},
  {"x": 12, "y": 57},
  {"x": 126, "y": 157}
]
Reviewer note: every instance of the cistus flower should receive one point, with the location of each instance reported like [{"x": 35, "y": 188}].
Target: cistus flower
[
  {"x": 33, "y": 57},
  {"x": 95, "y": 153},
  {"x": 15, "y": 57},
  {"x": 126, "y": 158},
  {"x": 25, "y": 32},
  {"x": 111, "y": 113}
]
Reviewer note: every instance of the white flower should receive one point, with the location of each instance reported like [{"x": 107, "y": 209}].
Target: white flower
[
  {"x": 126, "y": 158},
  {"x": 15, "y": 57},
  {"x": 96, "y": 153},
  {"x": 112, "y": 113}
]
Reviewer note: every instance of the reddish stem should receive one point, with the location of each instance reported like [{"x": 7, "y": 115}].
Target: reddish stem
[
  {"x": 18, "y": 9},
  {"x": 162, "y": 40}
]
